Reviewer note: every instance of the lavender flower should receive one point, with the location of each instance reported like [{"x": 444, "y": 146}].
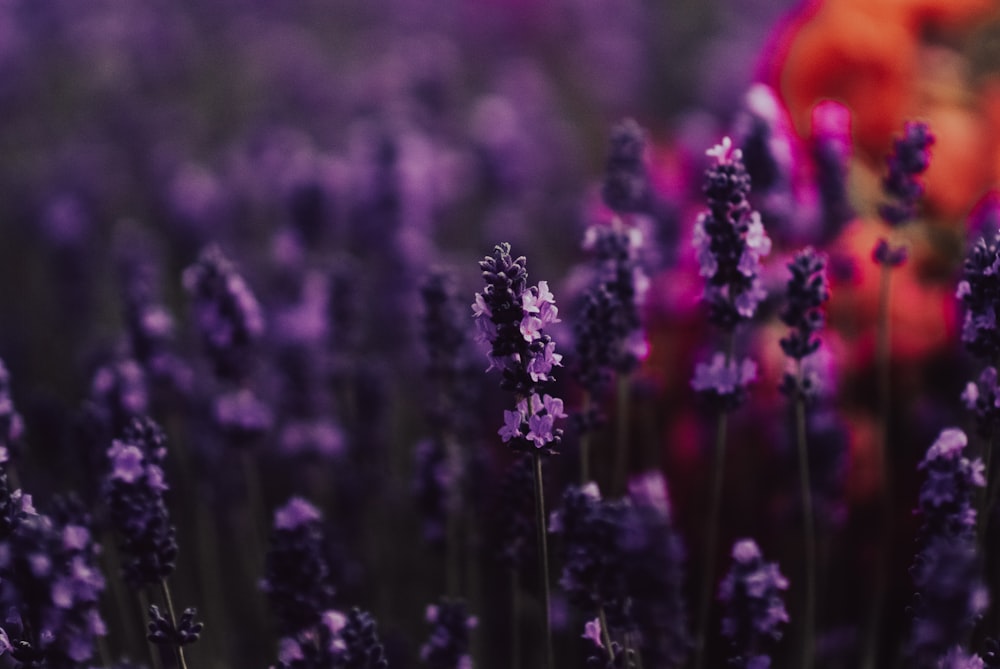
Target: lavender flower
[
  {"x": 600, "y": 657},
  {"x": 653, "y": 563},
  {"x": 910, "y": 157},
  {"x": 978, "y": 291},
  {"x": 432, "y": 487},
  {"x": 133, "y": 491},
  {"x": 950, "y": 596},
  {"x": 242, "y": 416},
  {"x": 296, "y": 573},
  {"x": 52, "y": 587},
  {"x": 626, "y": 184},
  {"x": 448, "y": 645},
  {"x": 593, "y": 572},
  {"x": 981, "y": 398},
  {"x": 947, "y": 497},
  {"x": 11, "y": 423},
  {"x": 227, "y": 314},
  {"x": 163, "y": 632},
  {"x": 753, "y": 607},
  {"x": 730, "y": 240},
  {"x": 335, "y": 642},
  {"x": 118, "y": 395},
  {"x": 831, "y": 151},
  {"x": 724, "y": 384},
  {"x": 511, "y": 316},
  {"x": 956, "y": 658},
  {"x": 608, "y": 333}
]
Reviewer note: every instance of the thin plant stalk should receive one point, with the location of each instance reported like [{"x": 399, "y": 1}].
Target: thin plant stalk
[
  {"x": 623, "y": 389},
  {"x": 515, "y": 620},
  {"x": 585, "y": 441},
  {"x": 882, "y": 357},
  {"x": 154, "y": 650},
  {"x": 543, "y": 562},
  {"x": 165, "y": 589},
  {"x": 714, "y": 514},
  {"x": 453, "y": 548},
  {"x": 606, "y": 634},
  {"x": 808, "y": 524}
]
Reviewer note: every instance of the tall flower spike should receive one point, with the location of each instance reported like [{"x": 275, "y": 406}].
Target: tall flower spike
[
  {"x": 133, "y": 491},
  {"x": 626, "y": 184},
  {"x": 510, "y": 317},
  {"x": 978, "y": 291},
  {"x": 11, "y": 423},
  {"x": 807, "y": 291},
  {"x": 754, "y": 612},
  {"x": 226, "y": 313},
  {"x": 296, "y": 573},
  {"x": 730, "y": 241},
  {"x": 910, "y": 158},
  {"x": 448, "y": 645}
]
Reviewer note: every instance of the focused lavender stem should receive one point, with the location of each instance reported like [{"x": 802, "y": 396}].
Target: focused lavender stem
[
  {"x": 179, "y": 651},
  {"x": 808, "y": 524},
  {"x": 543, "y": 558}
]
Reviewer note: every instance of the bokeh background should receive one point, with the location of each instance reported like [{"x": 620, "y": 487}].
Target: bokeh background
[{"x": 337, "y": 151}]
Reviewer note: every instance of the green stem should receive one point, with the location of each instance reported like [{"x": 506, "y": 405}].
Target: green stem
[
  {"x": 515, "y": 620},
  {"x": 621, "y": 432},
  {"x": 165, "y": 589},
  {"x": 606, "y": 633},
  {"x": 543, "y": 552},
  {"x": 585, "y": 442},
  {"x": 712, "y": 537},
  {"x": 809, "y": 618},
  {"x": 882, "y": 359},
  {"x": 154, "y": 650}
]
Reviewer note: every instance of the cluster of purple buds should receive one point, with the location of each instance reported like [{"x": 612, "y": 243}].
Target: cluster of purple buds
[
  {"x": 730, "y": 240},
  {"x": 831, "y": 152},
  {"x": 653, "y": 562},
  {"x": 948, "y": 495},
  {"x": 510, "y": 317},
  {"x": 593, "y": 572},
  {"x": 608, "y": 333},
  {"x": 15, "y": 506},
  {"x": 296, "y": 572},
  {"x": 151, "y": 330},
  {"x": 754, "y": 611},
  {"x": 336, "y": 641},
  {"x": 982, "y": 399},
  {"x": 11, "y": 423},
  {"x": 162, "y": 632},
  {"x": 600, "y": 656},
  {"x": 979, "y": 291},
  {"x": 910, "y": 157},
  {"x": 133, "y": 490},
  {"x": 228, "y": 316},
  {"x": 118, "y": 395},
  {"x": 950, "y": 596},
  {"x": 448, "y": 645},
  {"x": 724, "y": 382},
  {"x": 957, "y": 658},
  {"x": 51, "y": 589},
  {"x": 432, "y": 486},
  {"x": 626, "y": 183},
  {"x": 803, "y": 313}
]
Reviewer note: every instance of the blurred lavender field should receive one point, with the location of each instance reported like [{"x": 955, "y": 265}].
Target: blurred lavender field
[{"x": 245, "y": 337}]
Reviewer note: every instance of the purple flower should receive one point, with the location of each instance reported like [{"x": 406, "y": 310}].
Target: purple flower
[
  {"x": 11, "y": 423},
  {"x": 730, "y": 240},
  {"x": 978, "y": 292},
  {"x": 511, "y": 317},
  {"x": 751, "y": 594},
  {"x": 227, "y": 315},
  {"x": 448, "y": 645},
  {"x": 626, "y": 183},
  {"x": 957, "y": 658},
  {"x": 133, "y": 491},
  {"x": 910, "y": 157},
  {"x": 947, "y": 497},
  {"x": 241, "y": 416},
  {"x": 981, "y": 398},
  {"x": 296, "y": 572},
  {"x": 724, "y": 383},
  {"x": 335, "y": 642}
]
